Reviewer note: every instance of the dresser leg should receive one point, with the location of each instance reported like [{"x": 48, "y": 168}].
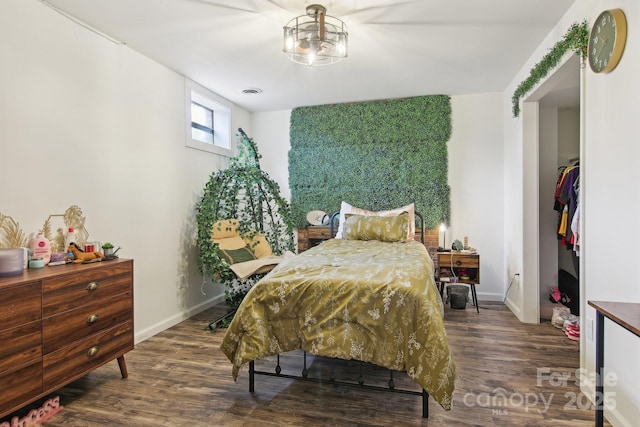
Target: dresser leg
[{"x": 123, "y": 366}]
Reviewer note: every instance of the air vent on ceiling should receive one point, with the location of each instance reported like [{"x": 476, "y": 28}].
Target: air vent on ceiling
[{"x": 252, "y": 91}]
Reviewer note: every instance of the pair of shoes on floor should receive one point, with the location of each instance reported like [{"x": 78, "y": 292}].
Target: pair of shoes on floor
[
  {"x": 573, "y": 331},
  {"x": 560, "y": 314},
  {"x": 570, "y": 319}
]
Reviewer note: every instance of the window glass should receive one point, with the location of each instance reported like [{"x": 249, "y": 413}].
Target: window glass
[
  {"x": 208, "y": 121},
  {"x": 201, "y": 123}
]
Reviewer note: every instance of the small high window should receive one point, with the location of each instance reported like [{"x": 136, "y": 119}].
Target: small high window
[
  {"x": 208, "y": 120},
  {"x": 201, "y": 123}
]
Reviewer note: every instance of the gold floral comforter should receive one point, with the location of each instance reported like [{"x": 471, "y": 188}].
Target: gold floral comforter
[{"x": 366, "y": 300}]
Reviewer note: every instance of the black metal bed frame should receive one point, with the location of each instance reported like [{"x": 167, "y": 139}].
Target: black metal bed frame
[{"x": 304, "y": 375}]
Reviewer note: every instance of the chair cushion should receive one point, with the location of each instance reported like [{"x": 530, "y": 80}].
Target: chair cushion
[
  {"x": 258, "y": 244},
  {"x": 234, "y": 256},
  {"x": 225, "y": 232}
]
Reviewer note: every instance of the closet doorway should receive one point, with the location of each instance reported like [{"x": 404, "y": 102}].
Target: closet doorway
[{"x": 552, "y": 141}]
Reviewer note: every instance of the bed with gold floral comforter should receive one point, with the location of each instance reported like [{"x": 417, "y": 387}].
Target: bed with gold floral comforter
[{"x": 365, "y": 300}]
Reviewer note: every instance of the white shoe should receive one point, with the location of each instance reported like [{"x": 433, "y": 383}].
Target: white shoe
[{"x": 560, "y": 314}]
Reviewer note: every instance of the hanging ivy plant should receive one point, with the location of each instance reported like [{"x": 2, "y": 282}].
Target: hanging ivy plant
[
  {"x": 576, "y": 39},
  {"x": 247, "y": 193}
]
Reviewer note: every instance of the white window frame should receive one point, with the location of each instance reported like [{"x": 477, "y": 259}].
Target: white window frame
[{"x": 223, "y": 144}]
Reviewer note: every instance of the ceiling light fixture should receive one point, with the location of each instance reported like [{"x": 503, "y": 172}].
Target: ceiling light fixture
[{"x": 315, "y": 38}]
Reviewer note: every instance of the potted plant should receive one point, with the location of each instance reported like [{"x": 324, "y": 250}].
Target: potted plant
[{"x": 107, "y": 248}]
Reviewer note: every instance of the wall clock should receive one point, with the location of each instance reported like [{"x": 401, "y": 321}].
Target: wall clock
[{"x": 607, "y": 40}]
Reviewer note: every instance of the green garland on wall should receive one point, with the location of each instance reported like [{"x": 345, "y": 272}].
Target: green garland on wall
[
  {"x": 375, "y": 155},
  {"x": 576, "y": 39}
]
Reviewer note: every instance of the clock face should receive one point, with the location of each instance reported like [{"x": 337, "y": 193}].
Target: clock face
[{"x": 607, "y": 40}]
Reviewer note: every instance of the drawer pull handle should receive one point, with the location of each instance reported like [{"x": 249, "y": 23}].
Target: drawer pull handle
[
  {"x": 92, "y": 319},
  {"x": 458, "y": 263},
  {"x": 93, "y": 351},
  {"x": 92, "y": 286}
]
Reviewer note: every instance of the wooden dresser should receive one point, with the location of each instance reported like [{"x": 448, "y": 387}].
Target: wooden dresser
[{"x": 59, "y": 323}]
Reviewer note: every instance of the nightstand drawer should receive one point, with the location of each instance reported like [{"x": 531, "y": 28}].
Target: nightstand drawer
[
  {"x": 65, "y": 328},
  {"x": 311, "y": 236},
  {"x": 318, "y": 232},
  {"x": 458, "y": 260}
]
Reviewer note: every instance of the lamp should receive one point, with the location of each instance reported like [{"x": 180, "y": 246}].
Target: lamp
[
  {"x": 315, "y": 38},
  {"x": 443, "y": 228}
]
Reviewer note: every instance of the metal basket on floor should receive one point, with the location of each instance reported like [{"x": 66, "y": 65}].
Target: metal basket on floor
[{"x": 458, "y": 295}]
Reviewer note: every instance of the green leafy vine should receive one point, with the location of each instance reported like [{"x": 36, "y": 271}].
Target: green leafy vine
[
  {"x": 576, "y": 39},
  {"x": 247, "y": 193}
]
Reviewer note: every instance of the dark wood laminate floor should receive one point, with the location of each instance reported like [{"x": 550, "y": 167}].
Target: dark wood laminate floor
[{"x": 181, "y": 378}]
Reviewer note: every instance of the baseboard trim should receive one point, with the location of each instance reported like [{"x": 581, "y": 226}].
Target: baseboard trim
[
  {"x": 174, "y": 320},
  {"x": 514, "y": 308},
  {"x": 489, "y": 296},
  {"x": 612, "y": 416}
]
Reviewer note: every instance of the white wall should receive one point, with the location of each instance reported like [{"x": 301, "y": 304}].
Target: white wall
[
  {"x": 87, "y": 122},
  {"x": 548, "y": 249},
  {"x": 475, "y": 156},
  {"x": 271, "y": 134},
  {"x": 610, "y": 196},
  {"x": 568, "y": 135}
]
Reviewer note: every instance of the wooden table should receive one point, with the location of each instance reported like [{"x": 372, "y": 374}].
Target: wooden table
[{"x": 625, "y": 314}]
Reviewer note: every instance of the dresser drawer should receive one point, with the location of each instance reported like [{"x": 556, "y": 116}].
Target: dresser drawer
[
  {"x": 19, "y": 386},
  {"x": 20, "y": 304},
  {"x": 78, "y": 359},
  {"x": 71, "y": 291},
  {"x": 20, "y": 346},
  {"x": 73, "y": 325}
]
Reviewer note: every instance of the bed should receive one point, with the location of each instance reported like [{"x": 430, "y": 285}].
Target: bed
[{"x": 368, "y": 299}]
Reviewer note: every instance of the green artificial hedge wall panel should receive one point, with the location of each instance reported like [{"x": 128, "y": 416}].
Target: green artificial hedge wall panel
[{"x": 375, "y": 155}]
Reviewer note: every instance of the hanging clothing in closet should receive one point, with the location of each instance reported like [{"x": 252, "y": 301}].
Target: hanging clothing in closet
[{"x": 567, "y": 203}]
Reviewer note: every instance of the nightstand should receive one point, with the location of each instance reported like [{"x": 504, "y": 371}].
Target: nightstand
[
  {"x": 311, "y": 236},
  {"x": 459, "y": 267}
]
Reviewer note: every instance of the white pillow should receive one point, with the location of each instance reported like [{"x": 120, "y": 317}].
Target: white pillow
[{"x": 346, "y": 208}]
